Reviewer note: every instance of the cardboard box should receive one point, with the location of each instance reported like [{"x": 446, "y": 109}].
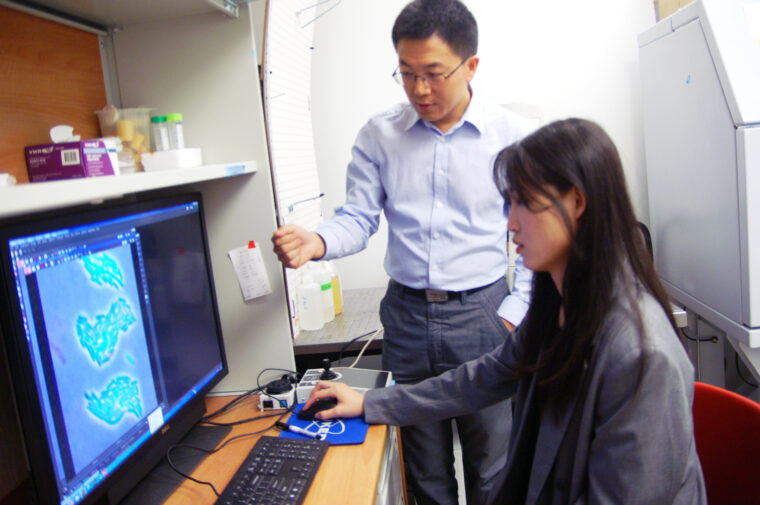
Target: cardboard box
[{"x": 70, "y": 160}]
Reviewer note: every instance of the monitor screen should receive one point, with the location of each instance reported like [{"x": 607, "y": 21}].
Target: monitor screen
[{"x": 112, "y": 334}]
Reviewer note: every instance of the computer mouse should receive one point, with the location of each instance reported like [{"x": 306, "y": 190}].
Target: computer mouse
[{"x": 317, "y": 406}]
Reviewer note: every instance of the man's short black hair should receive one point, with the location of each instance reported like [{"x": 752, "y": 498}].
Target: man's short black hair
[{"x": 449, "y": 19}]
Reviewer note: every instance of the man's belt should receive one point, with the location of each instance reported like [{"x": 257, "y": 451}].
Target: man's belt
[{"x": 439, "y": 295}]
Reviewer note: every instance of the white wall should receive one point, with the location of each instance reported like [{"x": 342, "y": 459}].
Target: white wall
[{"x": 576, "y": 58}]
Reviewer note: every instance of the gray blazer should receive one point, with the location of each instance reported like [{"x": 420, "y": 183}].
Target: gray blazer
[{"x": 610, "y": 446}]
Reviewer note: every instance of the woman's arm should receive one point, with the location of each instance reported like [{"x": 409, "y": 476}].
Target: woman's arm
[
  {"x": 467, "y": 388},
  {"x": 642, "y": 444}
]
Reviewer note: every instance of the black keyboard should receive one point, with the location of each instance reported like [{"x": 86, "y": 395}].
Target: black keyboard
[{"x": 277, "y": 471}]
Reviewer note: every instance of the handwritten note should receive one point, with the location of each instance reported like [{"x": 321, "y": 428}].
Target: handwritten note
[{"x": 250, "y": 271}]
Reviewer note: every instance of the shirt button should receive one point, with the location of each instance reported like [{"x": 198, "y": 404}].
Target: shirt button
[
  {"x": 435, "y": 268},
  {"x": 438, "y": 204},
  {"x": 436, "y": 235}
]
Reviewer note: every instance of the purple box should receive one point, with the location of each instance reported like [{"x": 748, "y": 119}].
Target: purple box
[{"x": 68, "y": 160}]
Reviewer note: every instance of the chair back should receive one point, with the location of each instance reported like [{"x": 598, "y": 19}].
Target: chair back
[{"x": 727, "y": 434}]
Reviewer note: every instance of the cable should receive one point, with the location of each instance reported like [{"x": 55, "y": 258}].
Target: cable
[
  {"x": 739, "y": 372},
  {"x": 345, "y": 346},
  {"x": 258, "y": 377},
  {"x": 212, "y": 451},
  {"x": 369, "y": 341},
  {"x": 248, "y": 420},
  {"x": 712, "y": 339},
  {"x": 279, "y": 416},
  {"x": 263, "y": 390},
  {"x": 229, "y": 405},
  {"x": 243, "y": 435},
  {"x": 183, "y": 474},
  {"x": 258, "y": 389}
]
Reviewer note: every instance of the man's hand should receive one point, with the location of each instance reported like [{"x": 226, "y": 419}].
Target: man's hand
[
  {"x": 295, "y": 246},
  {"x": 350, "y": 402}
]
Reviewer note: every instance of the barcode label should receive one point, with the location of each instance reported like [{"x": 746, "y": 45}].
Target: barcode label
[{"x": 70, "y": 157}]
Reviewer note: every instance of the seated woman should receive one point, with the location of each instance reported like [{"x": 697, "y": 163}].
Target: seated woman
[{"x": 601, "y": 382}]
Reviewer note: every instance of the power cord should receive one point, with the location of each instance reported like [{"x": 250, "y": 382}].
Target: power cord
[
  {"x": 713, "y": 339},
  {"x": 347, "y": 344},
  {"x": 183, "y": 474},
  {"x": 740, "y": 374},
  {"x": 290, "y": 377},
  {"x": 369, "y": 341},
  {"x": 248, "y": 420},
  {"x": 224, "y": 408},
  {"x": 258, "y": 389},
  {"x": 212, "y": 451}
]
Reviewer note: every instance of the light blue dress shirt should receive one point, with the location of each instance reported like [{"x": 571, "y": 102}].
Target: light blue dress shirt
[{"x": 447, "y": 221}]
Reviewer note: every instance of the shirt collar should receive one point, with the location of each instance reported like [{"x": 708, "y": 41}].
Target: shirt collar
[{"x": 473, "y": 115}]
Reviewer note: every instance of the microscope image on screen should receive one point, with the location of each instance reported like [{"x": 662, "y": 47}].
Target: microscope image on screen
[{"x": 98, "y": 348}]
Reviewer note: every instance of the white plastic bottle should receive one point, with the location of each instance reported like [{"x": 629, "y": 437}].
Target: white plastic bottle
[
  {"x": 322, "y": 277},
  {"x": 337, "y": 290},
  {"x": 309, "y": 298}
]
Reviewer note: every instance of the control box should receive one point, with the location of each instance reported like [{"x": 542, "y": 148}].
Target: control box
[
  {"x": 278, "y": 394},
  {"x": 276, "y": 401}
]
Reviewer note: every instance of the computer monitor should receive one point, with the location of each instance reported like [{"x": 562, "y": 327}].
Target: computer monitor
[{"x": 112, "y": 336}]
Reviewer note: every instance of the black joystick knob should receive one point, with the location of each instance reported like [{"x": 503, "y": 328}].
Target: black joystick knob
[{"x": 327, "y": 374}]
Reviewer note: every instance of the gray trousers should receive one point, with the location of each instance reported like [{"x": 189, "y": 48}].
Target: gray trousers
[{"x": 423, "y": 339}]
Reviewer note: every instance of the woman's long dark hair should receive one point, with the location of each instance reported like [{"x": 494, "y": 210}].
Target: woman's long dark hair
[{"x": 606, "y": 247}]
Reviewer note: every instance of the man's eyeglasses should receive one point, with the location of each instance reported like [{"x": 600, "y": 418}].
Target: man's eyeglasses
[{"x": 432, "y": 79}]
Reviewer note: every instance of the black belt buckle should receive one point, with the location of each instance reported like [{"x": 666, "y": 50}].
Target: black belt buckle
[{"x": 436, "y": 295}]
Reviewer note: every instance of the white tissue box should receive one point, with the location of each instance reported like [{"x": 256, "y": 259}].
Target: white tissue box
[
  {"x": 174, "y": 158},
  {"x": 7, "y": 179}
]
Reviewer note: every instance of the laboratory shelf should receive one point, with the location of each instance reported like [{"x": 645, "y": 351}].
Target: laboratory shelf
[{"x": 34, "y": 197}]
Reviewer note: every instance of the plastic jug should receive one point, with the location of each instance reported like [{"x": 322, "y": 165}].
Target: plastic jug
[
  {"x": 322, "y": 277},
  {"x": 337, "y": 290},
  {"x": 309, "y": 299}
]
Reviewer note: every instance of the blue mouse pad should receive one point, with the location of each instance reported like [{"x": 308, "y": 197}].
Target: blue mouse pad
[{"x": 337, "y": 431}]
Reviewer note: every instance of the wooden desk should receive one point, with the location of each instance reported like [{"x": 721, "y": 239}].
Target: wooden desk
[{"x": 348, "y": 475}]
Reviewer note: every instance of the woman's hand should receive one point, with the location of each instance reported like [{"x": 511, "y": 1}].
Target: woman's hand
[{"x": 350, "y": 401}]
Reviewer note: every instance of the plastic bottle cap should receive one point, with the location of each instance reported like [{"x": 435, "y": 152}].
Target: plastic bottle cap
[
  {"x": 158, "y": 119},
  {"x": 174, "y": 117}
]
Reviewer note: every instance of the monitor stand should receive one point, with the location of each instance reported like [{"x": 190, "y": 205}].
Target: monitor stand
[{"x": 161, "y": 482}]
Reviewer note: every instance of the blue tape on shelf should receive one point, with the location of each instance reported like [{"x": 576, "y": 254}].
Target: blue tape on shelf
[{"x": 234, "y": 170}]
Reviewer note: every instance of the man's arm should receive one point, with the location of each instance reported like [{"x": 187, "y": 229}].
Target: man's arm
[
  {"x": 514, "y": 307},
  {"x": 350, "y": 228},
  {"x": 295, "y": 246}
]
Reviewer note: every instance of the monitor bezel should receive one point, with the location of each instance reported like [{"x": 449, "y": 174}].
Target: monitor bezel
[{"x": 116, "y": 485}]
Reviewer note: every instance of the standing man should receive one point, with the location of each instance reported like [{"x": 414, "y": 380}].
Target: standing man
[{"x": 427, "y": 164}]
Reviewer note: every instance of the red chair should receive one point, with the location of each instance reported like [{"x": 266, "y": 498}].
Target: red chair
[{"x": 727, "y": 434}]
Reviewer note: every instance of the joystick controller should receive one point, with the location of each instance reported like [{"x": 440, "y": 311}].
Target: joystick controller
[
  {"x": 327, "y": 374},
  {"x": 358, "y": 378}
]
